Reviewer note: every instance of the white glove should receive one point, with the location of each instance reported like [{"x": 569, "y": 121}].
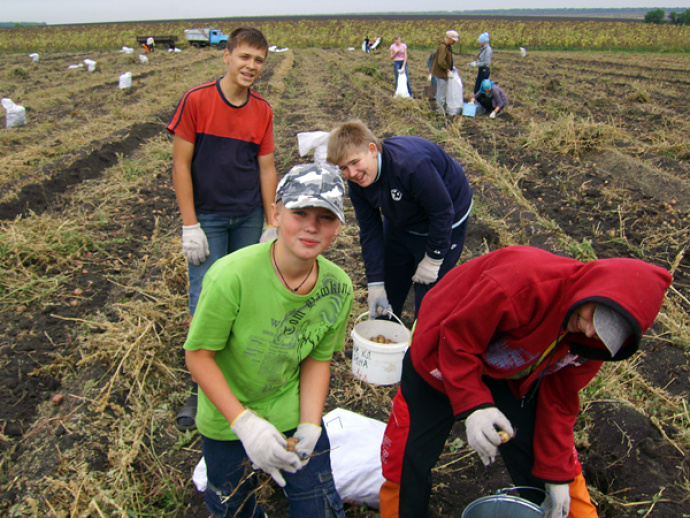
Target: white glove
[
  {"x": 472, "y": 64},
  {"x": 378, "y": 300},
  {"x": 265, "y": 446},
  {"x": 427, "y": 270},
  {"x": 308, "y": 435},
  {"x": 493, "y": 115},
  {"x": 482, "y": 435},
  {"x": 557, "y": 501},
  {"x": 269, "y": 234},
  {"x": 194, "y": 244}
]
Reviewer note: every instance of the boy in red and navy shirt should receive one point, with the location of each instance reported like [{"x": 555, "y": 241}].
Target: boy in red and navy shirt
[{"x": 223, "y": 167}]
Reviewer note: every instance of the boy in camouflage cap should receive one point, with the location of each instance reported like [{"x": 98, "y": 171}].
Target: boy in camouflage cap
[{"x": 269, "y": 319}]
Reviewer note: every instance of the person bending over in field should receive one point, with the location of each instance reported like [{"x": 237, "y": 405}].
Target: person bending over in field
[
  {"x": 425, "y": 200},
  {"x": 506, "y": 341},
  {"x": 269, "y": 318},
  {"x": 223, "y": 168},
  {"x": 491, "y": 97}
]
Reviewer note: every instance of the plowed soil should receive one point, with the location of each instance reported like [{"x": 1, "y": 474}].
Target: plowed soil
[{"x": 589, "y": 160}]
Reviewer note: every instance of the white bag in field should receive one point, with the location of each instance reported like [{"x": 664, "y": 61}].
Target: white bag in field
[
  {"x": 34, "y": 57},
  {"x": 125, "y": 80},
  {"x": 127, "y": 50},
  {"x": 90, "y": 65},
  {"x": 401, "y": 90},
  {"x": 454, "y": 99},
  {"x": 355, "y": 456},
  {"x": 143, "y": 58},
  {"x": 15, "y": 116},
  {"x": 316, "y": 141}
]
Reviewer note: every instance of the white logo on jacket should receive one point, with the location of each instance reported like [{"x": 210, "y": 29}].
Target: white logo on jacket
[{"x": 396, "y": 195}]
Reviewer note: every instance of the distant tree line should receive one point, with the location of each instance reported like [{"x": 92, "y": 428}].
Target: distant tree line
[
  {"x": 659, "y": 16},
  {"x": 17, "y": 25}
]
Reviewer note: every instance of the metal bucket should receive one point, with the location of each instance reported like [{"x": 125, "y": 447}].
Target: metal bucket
[{"x": 501, "y": 505}]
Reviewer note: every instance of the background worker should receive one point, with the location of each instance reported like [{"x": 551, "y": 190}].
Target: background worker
[
  {"x": 483, "y": 62},
  {"x": 398, "y": 51},
  {"x": 491, "y": 97},
  {"x": 506, "y": 341},
  {"x": 412, "y": 202},
  {"x": 442, "y": 66},
  {"x": 269, "y": 319},
  {"x": 223, "y": 167}
]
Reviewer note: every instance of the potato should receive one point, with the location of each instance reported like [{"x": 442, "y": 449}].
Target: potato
[
  {"x": 505, "y": 436},
  {"x": 291, "y": 443}
]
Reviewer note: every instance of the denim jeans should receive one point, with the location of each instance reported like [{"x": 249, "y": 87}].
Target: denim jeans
[
  {"x": 397, "y": 65},
  {"x": 225, "y": 234},
  {"x": 231, "y": 483}
]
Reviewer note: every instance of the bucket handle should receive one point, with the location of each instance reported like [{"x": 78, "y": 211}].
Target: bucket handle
[
  {"x": 389, "y": 312},
  {"x": 517, "y": 488}
]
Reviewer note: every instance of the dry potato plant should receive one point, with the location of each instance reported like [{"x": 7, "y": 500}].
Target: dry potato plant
[{"x": 589, "y": 160}]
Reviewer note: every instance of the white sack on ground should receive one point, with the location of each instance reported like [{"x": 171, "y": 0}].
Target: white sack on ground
[
  {"x": 401, "y": 90},
  {"x": 454, "y": 99},
  {"x": 15, "y": 114}
]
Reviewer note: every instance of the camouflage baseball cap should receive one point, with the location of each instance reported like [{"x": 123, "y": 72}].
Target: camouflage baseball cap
[{"x": 312, "y": 185}]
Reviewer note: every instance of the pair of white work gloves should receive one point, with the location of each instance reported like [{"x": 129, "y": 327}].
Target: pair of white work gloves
[
  {"x": 482, "y": 435},
  {"x": 266, "y": 447},
  {"x": 426, "y": 273},
  {"x": 195, "y": 244}
]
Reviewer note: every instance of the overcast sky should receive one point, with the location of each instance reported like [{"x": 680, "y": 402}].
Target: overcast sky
[{"x": 80, "y": 11}]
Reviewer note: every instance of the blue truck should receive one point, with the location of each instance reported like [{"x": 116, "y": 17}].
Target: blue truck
[{"x": 206, "y": 38}]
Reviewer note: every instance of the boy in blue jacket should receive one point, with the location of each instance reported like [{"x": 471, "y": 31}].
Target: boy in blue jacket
[{"x": 412, "y": 201}]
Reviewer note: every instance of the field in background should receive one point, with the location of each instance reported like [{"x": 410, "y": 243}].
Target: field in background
[
  {"x": 418, "y": 32},
  {"x": 590, "y": 160}
]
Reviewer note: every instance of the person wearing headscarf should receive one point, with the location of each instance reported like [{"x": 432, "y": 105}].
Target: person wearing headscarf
[
  {"x": 491, "y": 97},
  {"x": 483, "y": 62}
]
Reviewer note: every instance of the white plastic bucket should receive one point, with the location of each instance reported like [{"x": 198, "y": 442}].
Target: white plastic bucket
[
  {"x": 379, "y": 364},
  {"x": 501, "y": 505}
]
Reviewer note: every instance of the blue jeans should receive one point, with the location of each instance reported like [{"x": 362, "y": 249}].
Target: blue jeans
[
  {"x": 231, "y": 483},
  {"x": 402, "y": 253},
  {"x": 225, "y": 234},
  {"x": 397, "y": 65}
]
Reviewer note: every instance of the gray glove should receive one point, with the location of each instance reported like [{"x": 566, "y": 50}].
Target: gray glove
[
  {"x": 308, "y": 435},
  {"x": 557, "y": 501},
  {"x": 482, "y": 435},
  {"x": 378, "y": 300},
  {"x": 194, "y": 244},
  {"x": 269, "y": 234},
  {"x": 266, "y": 447},
  {"x": 427, "y": 270}
]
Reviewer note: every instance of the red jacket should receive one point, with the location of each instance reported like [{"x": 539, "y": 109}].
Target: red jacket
[{"x": 496, "y": 315}]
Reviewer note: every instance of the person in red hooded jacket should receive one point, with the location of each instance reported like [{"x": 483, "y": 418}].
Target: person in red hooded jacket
[{"x": 506, "y": 341}]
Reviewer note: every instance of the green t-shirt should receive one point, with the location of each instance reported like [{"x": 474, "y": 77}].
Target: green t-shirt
[{"x": 261, "y": 332}]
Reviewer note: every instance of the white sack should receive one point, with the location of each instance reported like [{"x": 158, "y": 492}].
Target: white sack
[
  {"x": 34, "y": 57},
  {"x": 15, "y": 116},
  {"x": 401, "y": 90},
  {"x": 523, "y": 51},
  {"x": 127, "y": 50},
  {"x": 90, "y": 65},
  {"x": 316, "y": 140},
  {"x": 143, "y": 58},
  {"x": 356, "y": 456},
  {"x": 454, "y": 99},
  {"x": 125, "y": 80},
  {"x": 78, "y": 65}
]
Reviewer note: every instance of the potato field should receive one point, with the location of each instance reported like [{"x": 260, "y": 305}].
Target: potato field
[{"x": 591, "y": 160}]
